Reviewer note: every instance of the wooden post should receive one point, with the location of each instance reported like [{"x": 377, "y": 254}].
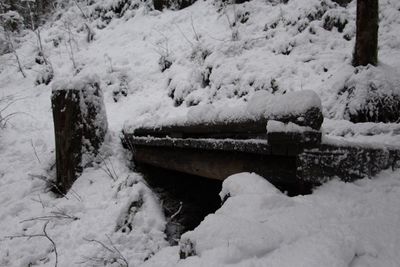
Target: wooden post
[
  {"x": 80, "y": 125},
  {"x": 366, "y": 48}
]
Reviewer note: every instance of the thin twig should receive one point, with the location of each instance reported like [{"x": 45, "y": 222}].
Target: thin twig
[
  {"x": 184, "y": 36},
  {"x": 111, "y": 248},
  {"x": 117, "y": 250},
  {"x": 109, "y": 170},
  {"x": 34, "y": 150},
  {"x": 47, "y": 180},
  {"x": 177, "y": 212},
  {"x": 52, "y": 242},
  {"x": 55, "y": 215},
  {"x": 80, "y": 9},
  {"x": 45, "y": 234},
  {"x": 196, "y": 36}
]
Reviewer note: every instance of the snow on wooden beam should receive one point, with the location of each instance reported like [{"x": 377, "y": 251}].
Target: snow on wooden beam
[{"x": 301, "y": 108}]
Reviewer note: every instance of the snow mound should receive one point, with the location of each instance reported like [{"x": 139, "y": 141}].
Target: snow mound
[{"x": 246, "y": 183}]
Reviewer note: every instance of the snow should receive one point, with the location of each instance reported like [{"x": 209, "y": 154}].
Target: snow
[
  {"x": 261, "y": 105},
  {"x": 340, "y": 224},
  {"x": 79, "y": 82},
  {"x": 282, "y": 50},
  {"x": 374, "y": 135},
  {"x": 280, "y": 127}
]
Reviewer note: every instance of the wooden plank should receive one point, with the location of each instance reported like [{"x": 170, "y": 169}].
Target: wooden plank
[
  {"x": 290, "y": 144},
  {"x": 249, "y": 146},
  {"x": 309, "y": 138}
]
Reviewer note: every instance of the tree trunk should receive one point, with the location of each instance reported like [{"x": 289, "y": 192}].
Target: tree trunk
[{"x": 366, "y": 48}]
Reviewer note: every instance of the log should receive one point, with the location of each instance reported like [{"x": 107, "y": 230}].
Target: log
[
  {"x": 80, "y": 125},
  {"x": 280, "y": 108}
]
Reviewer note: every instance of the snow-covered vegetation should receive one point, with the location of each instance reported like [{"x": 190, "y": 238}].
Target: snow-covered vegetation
[{"x": 209, "y": 61}]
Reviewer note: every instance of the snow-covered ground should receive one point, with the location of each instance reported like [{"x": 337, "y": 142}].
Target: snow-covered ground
[
  {"x": 338, "y": 225},
  {"x": 216, "y": 69}
]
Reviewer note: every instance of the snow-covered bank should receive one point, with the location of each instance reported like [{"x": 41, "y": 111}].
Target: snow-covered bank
[
  {"x": 100, "y": 221},
  {"x": 340, "y": 224}
]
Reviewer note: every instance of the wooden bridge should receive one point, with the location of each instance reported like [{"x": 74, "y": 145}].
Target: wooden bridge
[{"x": 294, "y": 161}]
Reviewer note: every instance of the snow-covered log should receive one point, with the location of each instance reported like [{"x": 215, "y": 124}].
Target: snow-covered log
[
  {"x": 80, "y": 125},
  {"x": 302, "y": 108}
]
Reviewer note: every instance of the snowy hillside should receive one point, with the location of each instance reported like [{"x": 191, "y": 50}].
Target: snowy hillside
[{"x": 205, "y": 62}]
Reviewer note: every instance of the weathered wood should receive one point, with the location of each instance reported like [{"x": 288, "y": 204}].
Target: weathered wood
[
  {"x": 244, "y": 129},
  {"x": 80, "y": 126},
  {"x": 256, "y": 147},
  {"x": 348, "y": 163},
  {"x": 286, "y": 165},
  {"x": 279, "y": 170},
  {"x": 309, "y": 138},
  {"x": 68, "y": 136}
]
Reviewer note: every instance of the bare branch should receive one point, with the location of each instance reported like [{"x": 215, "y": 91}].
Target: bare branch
[
  {"x": 44, "y": 234},
  {"x": 111, "y": 249},
  {"x": 177, "y": 212},
  {"x": 34, "y": 150},
  {"x": 196, "y": 36}
]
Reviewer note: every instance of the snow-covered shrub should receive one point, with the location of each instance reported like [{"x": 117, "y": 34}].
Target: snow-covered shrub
[
  {"x": 190, "y": 77},
  {"x": 122, "y": 87},
  {"x": 4, "y": 47},
  {"x": 117, "y": 81},
  {"x": 317, "y": 11},
  {"x": 125, "y": 222},
  {"x": 5, "y": 103},
  {"x": 11, "y": 21},
  {"x": 335, "y": 19},
  {"x": 172, "y": 4},
  {"x": 199, "y": 54},
  {"x": 164, "y": 62},
  {"x": 45, "y": 75},
  {"x": 39, "y": 58},
  {"x": 342, "y": 2},
  {"x": 242, "y": 16},
  {"x": 107, "y": 10},
  {"x": 371, "y": 94}
]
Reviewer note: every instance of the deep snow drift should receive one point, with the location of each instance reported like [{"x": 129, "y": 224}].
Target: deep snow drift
[{"x": 111, "y": 216}]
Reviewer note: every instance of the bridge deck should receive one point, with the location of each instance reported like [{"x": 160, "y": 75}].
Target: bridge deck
[{"x": 285, "y": 159}]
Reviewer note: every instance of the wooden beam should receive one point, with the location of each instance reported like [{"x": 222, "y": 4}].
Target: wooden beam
[
  {"x": 280, "y": 170},
  {"x": 243, "y": 129}
]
